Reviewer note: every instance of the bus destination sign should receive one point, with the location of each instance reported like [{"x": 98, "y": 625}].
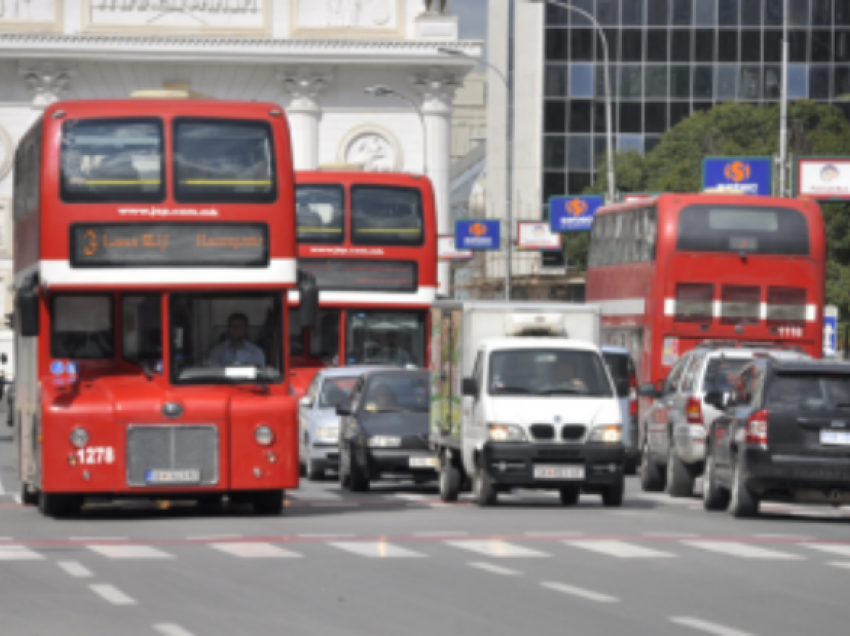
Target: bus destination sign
[
  {"x": 169, "y": 245},
  {"x": 362, "y": 275}
]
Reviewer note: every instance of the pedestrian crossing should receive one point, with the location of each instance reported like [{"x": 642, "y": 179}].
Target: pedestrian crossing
[{"x": 497, "y": 549}]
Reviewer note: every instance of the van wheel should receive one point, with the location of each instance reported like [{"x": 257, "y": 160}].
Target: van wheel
[
  {"x": 268, "y": 502},
  {"x": 744, "y": 504},
  {"x": 679, "y": 480},
  {"x": 713, "y": 496},
  {"x": 29, "y": 496},
  {"x": 359, "y": 482},
  {"x": 651, "y": 477},
  {"x": 570, "y": 495},
  {"x": 612, "y": 496},
  {"x": 449, "y": 481},
  {"x": 483, "y": 489},
  {"x": 59, "y": 506}
]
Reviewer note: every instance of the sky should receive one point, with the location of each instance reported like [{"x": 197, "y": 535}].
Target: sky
[{"x": 473, "y": 17}]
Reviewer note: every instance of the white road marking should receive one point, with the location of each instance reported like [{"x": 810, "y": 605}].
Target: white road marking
[
  {"x": 672, "y": 535},
  {"x": 441, "y": 533},
  {"x": 326, "y": 535},
  {"x": 130, "y": 552},
  {"x": 799, "y": 537},
  {"x": 741, "y": 550},
  {"x": 98, "y": 539},
  {"x": 841, "y": 550},
  {"x": 340, "y": 504},
  {"x": 619, "y": 549},
  {"x": 254, "y": 550},
  {"x": 665, "y": 499},
  {"x": 2, "y": 490},
  {"x": 170, "y": 629},
  {"x": 18, "y": 553},
  {"x": 496, "y": 548},
  {"x": 441, "y": 505},
  {"x": 77, "y": 570},
  {"x": 112, "y": 594},
  {"x": 495, "y": 569},
  {"x": 375, "y": 549},
  {"x": 552, "y": 533},
  {"x": 411, "y": 496},
  {"x": 581, "y": 593},
  {"x": 705, "y": 626},
  {"x": 840, "y": 564},
  {"x": 212, "y": 537}
]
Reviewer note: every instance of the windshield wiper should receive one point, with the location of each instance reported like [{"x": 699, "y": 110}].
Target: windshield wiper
[
  {"x": 566, "y": 390},
  {"x": 511, "y": 389}
]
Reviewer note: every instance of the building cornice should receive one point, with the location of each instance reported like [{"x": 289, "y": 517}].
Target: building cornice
[{"x": 21, "y": 46}]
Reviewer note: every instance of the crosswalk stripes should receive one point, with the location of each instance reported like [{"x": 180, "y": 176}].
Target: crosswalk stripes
[
  {"x": 842, "y": 550},
  {"x": 18, "y": 553},
  {"x": 498, "y": 549},
  {"x": 129, "y": 552},
  {"x": 619, "y": 549},
  {"x": 375, "y": 549},
  {"x": 254, "y": 550},
  {"x": 743, "y": 550}
]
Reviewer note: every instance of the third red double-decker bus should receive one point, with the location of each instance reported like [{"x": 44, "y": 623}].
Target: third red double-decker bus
[
  {"x": 370, "y": 240},
  {"x": 679, "y": 269}
]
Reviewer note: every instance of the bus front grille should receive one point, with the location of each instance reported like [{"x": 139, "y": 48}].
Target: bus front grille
[{"x": 172, "y": 448}]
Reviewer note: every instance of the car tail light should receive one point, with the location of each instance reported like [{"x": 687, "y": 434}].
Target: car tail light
[
  {"x": 633, "y": 397},
  {"x": 757, "y": 429},
  {"x": 693, "y": 410}
]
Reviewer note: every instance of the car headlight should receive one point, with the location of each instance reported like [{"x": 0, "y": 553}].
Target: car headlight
[
  {"x": 264, "y": 435},
  {"x": 79, "y": 437},
  {"x": 382, "y": 441},
  {"x": 505, "y": 433},
  {"x": 327, "y": 433},
  {"x": 610, "y": 434}
]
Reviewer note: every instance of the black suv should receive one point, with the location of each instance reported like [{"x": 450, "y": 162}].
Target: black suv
[{"x": 784, "y": 436}]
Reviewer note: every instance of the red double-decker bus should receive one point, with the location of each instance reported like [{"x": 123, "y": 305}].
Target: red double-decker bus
[
  {"x": 370, "y": 240},
  {"x": 679, "y": 269},
  {"x": 155, "y": 249}
]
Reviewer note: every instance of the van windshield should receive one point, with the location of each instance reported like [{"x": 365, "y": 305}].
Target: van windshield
[{"x": 545, "y": 372}]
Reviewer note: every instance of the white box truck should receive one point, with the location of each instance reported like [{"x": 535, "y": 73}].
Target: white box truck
[{"x": 521, "y": 398}]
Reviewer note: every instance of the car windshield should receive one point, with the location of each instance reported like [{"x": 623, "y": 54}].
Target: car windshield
[
  {"x": 722, "y": 373},
  {"x": 226, "y": 338},
  {"x": 809, "y": 391},
  {"x": 545, "y": 372},
  {"x": 385, "y": 338},
  {"x": 335, "y": 392},
  {"x": 399, "y": 393}
]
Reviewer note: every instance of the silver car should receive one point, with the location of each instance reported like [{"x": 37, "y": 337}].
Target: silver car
[{"x": 318, "y": 423}]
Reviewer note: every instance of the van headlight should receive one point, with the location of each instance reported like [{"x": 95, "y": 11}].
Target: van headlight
[
  {"x": 608, "y": 433},
  {"x": 505, "y": 433}
]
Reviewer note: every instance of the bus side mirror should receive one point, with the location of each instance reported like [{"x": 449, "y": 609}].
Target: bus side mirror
[
  {"x": 470, "y": 387},
  {"x": 27, "y": 310},
  {"x": 309, "y": 307}
]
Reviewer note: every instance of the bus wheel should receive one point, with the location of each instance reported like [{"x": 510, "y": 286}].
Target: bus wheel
[
  {"x": 268, "y": 502},
  {"x": 59, "y": 506},
  {"x": 449, "y": 480},
  {"x": 29, "y": 496}
]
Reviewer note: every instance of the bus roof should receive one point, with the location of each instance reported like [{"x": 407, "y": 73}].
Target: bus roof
[
  {"x": 695, "y": 198},
  {"x": 152, "y": 107},
  {"x": 352, "y": 176}
]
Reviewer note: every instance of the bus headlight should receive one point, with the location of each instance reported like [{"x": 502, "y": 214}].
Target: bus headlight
[
  {"x": 505, "y": 433},
  {"x": 264, "y": 435},
  {"x": 79, "y": 437},
  {"x": 610, "y": 434}
]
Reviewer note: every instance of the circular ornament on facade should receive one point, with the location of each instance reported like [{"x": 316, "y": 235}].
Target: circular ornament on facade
[
  {"x": 373, "y": 147},
  {"x": 380, "y": 12},
  {"x": 7, "y": 153}
]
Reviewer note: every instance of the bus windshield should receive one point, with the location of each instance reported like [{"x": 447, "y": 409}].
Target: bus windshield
[
  {"x": 736, "y": 228},
  {"x": 226, "y": 338}
]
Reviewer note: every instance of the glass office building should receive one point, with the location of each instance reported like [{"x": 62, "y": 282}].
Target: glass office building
[{"x": 670, "y": 58}]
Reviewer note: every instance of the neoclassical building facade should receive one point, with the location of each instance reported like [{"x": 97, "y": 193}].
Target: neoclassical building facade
[{"x": 313, "y": 57}]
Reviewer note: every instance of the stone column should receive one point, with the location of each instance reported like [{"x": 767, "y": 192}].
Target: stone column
[
  {"x": 303, "y": 86},
  {"x": 437, "y": 90},
  {"x": 48, "y": 80}
]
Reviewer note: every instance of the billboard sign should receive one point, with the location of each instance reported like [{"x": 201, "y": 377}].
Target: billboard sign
[
  {"x": 478, "y": 235},
  {"x": 747, "y": 175},
  {"x": 536, "y": 235},
  {"x": 821, "y": 178},
  {"x": 830, "y": 331},
  {"x": 447, "y": 251},
  {"x": 573, "y": 214}
]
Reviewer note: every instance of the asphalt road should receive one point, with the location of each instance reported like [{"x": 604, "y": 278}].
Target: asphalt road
[{"x": 397, "y": 561}]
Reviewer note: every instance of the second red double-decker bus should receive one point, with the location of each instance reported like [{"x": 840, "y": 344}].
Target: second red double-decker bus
[
  {"x": 155, "y": 248},
  {"x": 370, "y": 240},
  {"x": 680, "y": 269}
]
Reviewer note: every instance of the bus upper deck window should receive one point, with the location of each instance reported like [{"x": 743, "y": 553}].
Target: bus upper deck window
[
  {"x": 321, "y": 211},
  {"x": 383, "y": 215}
]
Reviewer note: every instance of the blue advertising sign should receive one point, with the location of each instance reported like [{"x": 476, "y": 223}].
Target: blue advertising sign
[
  {"x": 748, "y": 175},
  {"x": 478, "y": 235},
  {"x": 573, "y": 214},
  {"x": 830, "y": 335}
]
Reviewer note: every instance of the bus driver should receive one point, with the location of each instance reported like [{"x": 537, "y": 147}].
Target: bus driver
[{"x": 236, "y": 349}]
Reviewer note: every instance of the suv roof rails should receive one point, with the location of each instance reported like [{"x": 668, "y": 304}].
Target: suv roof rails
[{"x": 740, "y": 344}]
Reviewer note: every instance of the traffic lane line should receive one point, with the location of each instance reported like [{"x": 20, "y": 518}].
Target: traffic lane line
[
  {"x": 111, "y": 594},
  {"x": 77, "y": 570},
  {"x": 589, "y": 595},
  {"x": 495, "y": 569},
  {"x": 705, "y": 626},
  {"x": 170, "y": 629}
]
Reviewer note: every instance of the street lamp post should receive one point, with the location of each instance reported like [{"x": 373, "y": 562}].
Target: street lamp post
[
  {"x": 608, "y": 117},
  {"x": 783, "y": 108}
]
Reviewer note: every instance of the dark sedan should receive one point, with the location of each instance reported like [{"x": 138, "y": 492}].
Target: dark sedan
[
  {"x": 384, "y": 430},
  {"x": 784, "y": 436}
]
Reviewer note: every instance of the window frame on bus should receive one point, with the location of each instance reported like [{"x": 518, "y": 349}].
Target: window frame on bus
[
  {"x": 111, "y": 313},
  {"x": 616, "y": 240},
  {"x": 356, "y": 239},
  {"x": 345, "y": 206}
]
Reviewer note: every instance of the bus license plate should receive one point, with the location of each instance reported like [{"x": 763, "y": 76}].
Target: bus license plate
[
  {"x": 173, "y": 477},
  {"x": 558, "y": 472},
  {"x": 423, "y": 462},
  {"x": 835, "y": 438}
]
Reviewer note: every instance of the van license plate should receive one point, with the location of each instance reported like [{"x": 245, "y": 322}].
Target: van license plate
[
  {"x": 835, "y": 438},
  {"x": 423, "y": 462},
  {"x": 173, "y": 477},
  {"x": 558, "y": 472}
]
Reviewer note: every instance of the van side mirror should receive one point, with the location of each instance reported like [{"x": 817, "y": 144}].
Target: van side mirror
[
  {"x": 309, "y": 304},
  {"x": 469, "y": 387},
  {"x": 717, "y": 399},
  {"x": 27, "y": 309},
  {"x": 648, "y": 390}
]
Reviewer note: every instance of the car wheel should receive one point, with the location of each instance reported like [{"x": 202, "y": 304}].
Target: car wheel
[
  {"x": 29, "y": 496},
  {"x": 713, "y": 496},
  {"x": 314, "y": 473},
  {"x": 612, "y": 496},
  {"x": 651, "y": 477},
  {"x": 359, "y": 481},
  {"x": 743, "y": 504},
  {"x": 449, "y": 481},
  {"x": 59, "y": 506},
  {"x": 483, "y": 489},
  {"x": 268, "y": 502},
  {"x": 679, "y": 480},
  {"x": 570, "y": 495},
  {"x": 344, "y": 472}
]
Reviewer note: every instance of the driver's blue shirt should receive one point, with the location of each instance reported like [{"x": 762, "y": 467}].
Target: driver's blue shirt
[{"x": 224, "y": 355}]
